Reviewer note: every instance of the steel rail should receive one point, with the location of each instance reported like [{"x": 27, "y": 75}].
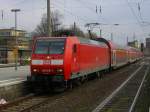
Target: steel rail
[
  {"x": 15, "y": 102},
  {"x": 139, "y": 90},
  {"x": 104, "y": 102}
]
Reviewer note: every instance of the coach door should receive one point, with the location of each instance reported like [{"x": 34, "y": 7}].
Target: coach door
[
  {"x": 75, "y": 61},
  {"x": 114, "y": 57}
]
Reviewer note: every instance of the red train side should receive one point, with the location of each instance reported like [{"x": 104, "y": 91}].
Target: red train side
[
  {"x": 63, "y": 59},
  {"x": 119, "y": 55}
]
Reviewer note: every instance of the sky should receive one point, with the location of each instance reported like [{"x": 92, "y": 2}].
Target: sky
[{"x": 132, "y": 16}]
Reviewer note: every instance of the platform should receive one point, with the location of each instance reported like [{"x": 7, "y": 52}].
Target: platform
[
  {"x": 8, "y": 65},
  {"x": 9, "y": 73},
  {"x": 13, "y": 82}
]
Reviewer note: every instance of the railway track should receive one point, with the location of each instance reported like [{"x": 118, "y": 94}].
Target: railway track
[
  {"x": 27, "y": 103},
  {"x": 23, "y": 104},
  {"x": 32, "y": 103},
  {"x": 124, "y": 98}
]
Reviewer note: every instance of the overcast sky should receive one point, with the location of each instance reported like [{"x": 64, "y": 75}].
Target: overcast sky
[{"x": 133, "y": 19}]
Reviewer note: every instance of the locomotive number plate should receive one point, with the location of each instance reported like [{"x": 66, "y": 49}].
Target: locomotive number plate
[
  {"x": 57, "y": 62},
  {"x": 47, "y": 62}
]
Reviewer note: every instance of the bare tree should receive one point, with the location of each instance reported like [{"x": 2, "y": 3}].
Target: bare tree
[
  {"x": 41, "y": 29},
  {"x": 71, "y": 31},
  {"x": 57, "y": 27},
  {"x": 77, "y": 31},
  {"x": 56, "y": 21}
]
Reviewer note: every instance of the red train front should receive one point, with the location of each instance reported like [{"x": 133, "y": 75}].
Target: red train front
[{"x": 48, "y": 57}]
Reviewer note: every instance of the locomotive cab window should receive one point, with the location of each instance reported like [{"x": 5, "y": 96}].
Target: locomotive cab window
[{"x": 55, "y": 46}]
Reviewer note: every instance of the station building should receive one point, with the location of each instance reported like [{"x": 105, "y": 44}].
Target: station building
[
  {"x": 134, "y": 44},
  {"x": 13, "y": 42}
]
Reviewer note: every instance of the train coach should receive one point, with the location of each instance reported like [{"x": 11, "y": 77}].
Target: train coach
[{"x": 56, "y": 61}]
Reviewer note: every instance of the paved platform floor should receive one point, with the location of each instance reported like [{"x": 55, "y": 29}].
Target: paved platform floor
[
  {"x": 8, "y": 65},
  {"x": 9, "y": 73}
]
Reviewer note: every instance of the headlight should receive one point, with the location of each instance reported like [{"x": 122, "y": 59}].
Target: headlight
[
  {"x": 34, "y": 70},
  {"x": 59, "y": 70},
  {"x": 37, "y": 62}
]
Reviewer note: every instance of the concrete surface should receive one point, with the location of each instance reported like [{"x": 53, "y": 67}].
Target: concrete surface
[
  {"x": 9, "y": 73},
  {"x": 13, "y": 82},
  {"x": 10, "y": 92}
]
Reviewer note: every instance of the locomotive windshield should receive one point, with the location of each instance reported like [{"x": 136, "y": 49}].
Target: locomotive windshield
[{"x": 49, "y": 46}]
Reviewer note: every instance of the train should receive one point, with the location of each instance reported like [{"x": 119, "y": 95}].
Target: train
[{"x": 58, "y": 61}]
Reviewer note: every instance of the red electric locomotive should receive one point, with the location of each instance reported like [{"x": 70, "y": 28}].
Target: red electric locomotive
[
  {"x": 59, "y": 60},
  {"x": 66, "y": 58}
]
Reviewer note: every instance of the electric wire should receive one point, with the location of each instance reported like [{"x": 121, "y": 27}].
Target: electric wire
[
  {"x": 92, "y": 10},
  {"x": 135, "y": 16},
  {"x": 70, "y": 13}
]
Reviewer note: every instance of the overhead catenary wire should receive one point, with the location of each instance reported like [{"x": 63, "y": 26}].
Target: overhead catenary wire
[
  {"x": 139, "y": 6},
  {"x": 7, "y": 10},
  {"x": 21, "y": 2},
  {"x": 139, "y": 10},
  {"x": 132, "y": 10},
  {"x": 93, "y": 10},
  {"x": 135, "y": 16},
  {"x": 2, "y": 14},
  {"x": 70, "y": 13}
]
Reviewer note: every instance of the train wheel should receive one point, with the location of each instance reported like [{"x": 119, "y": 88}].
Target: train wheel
[
  {"x": 84, "y": 79},
  {"x": 78, "y": 81},
  {"x": 38, "y": 89},
  {"x": 99, "y": 75},
  {"x": 59, "y": 87},
  {"x": 70, "y": 84}
]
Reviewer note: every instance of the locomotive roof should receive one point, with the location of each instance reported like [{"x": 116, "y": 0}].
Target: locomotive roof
[
  {"x": 81, "y": 39},
  {"x": 95, "y": 42},
  {"x": 47, "y": 37},
  {"x": 89, "y": 41}
]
